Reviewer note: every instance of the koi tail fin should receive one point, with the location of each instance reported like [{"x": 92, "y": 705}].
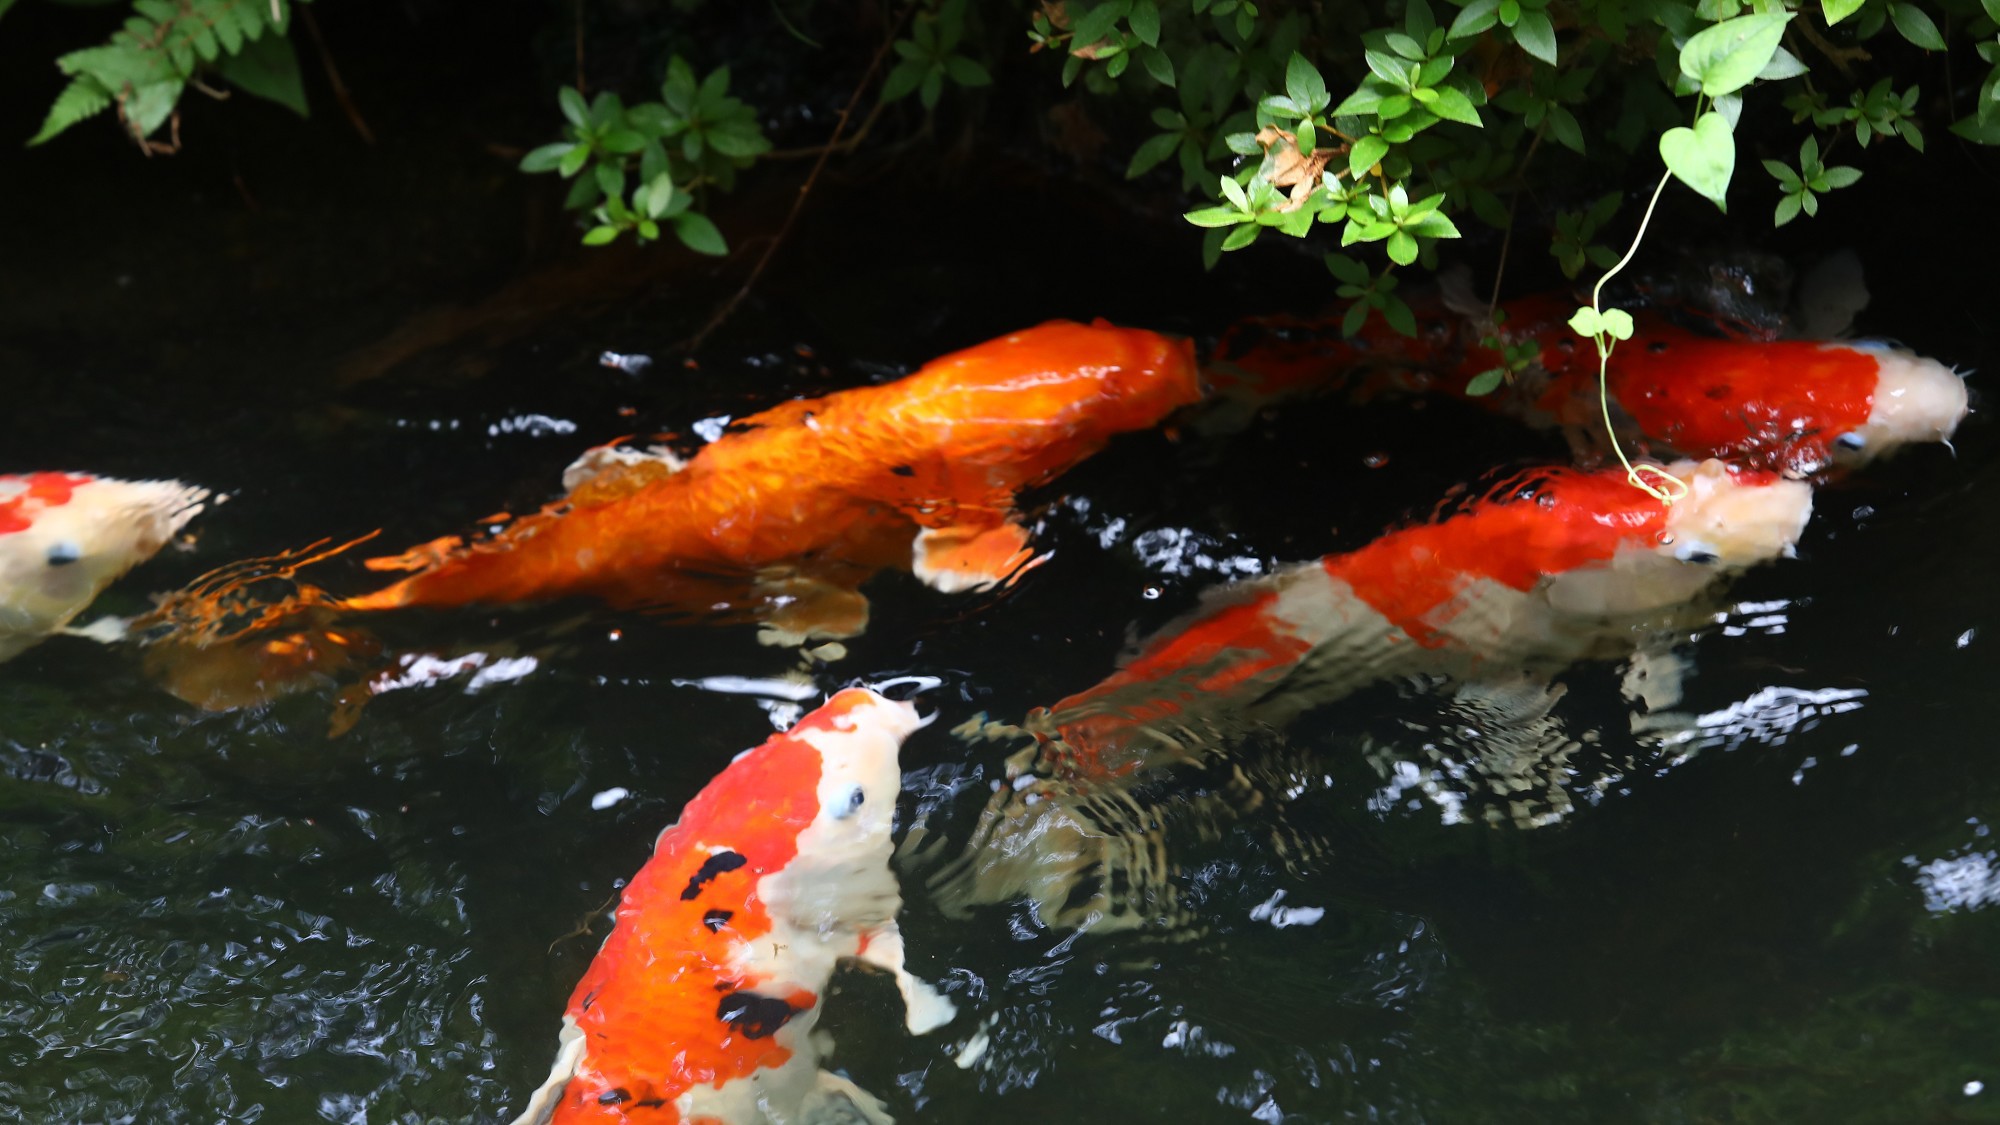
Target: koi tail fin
[{"x": 247, "y": 633}]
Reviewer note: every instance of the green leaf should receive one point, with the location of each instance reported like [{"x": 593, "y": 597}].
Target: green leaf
[
  {"x": 1145, "y": 22},
  {"x": 698, "y": 234},
  {"x": 1215, "y": 217},
  {"x": 1474, "y": 18},
  {"x": 1452, "y": 105},
  {"x": 1563, "y": 127},
  {"x": 1304, "y": 85},
  {"x": 1158, "y": 64},
  {"x": 1841, "y": 176},
  {"x": 573, "y": 160},
  {"x": 1368, "y": 151},
  {"x": 573, "y": 106},
  {"x": 1617, "y": 322},
  {"x": 1296, "y": 223},
  {"x": 1536, "y": 35},
  {"x": 966, "y": 72},
  {"x": 735, "y": 142},
  {"x": 1098, "y": 22},
  {"x": 1585, "y": 322},
  {"x": 1396, "y": 313},
  {"x": 1347, "y": 269},
  {"x": 649, "y": 230},
  {"x": 1788, "y": 209},
  {"x": 678, "y": 91},
  {"x": 904, "y": 79},
  {"x": 1917, "y": 27},
  {"x": 1787, "y": 179},
  {"x": 1242, "y": 236},
  {"x": 1702, "y": 157},
  {"x": 1402, "y": 248},
  {"x": 932, "y": 88},
  {"x": 546, "y": 158},
  {"x": 269, "y": 69},
  {"x": 1233, "y": 192},
  {"x": 1977, "y": 131},
  {"x": 83, "y": 98},
  {"x": 1783, "y": 65},
  {"x": 1837, "y": 10},
  {"x": 598, "y": 236},
  {"x": 1433, "y": 225},
  {"x": 1729, "y": 56},
  {"x": 1484, "y": 383},
  {"x": 1404, "y": 46},
  {"x": 1152, "y": 154}
]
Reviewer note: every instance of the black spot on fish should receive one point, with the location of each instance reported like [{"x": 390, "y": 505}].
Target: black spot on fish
[
  {"x": 903, "y": 470},
  {"x": 715, "y": 920},
  {"x": 1084, "y": 892},
  {"x": 1657, "y": 346},
  {"x": 613, "y": 1097},
  {"x": 711, "y": 867},
  {"x": 755, "y": 1016}
]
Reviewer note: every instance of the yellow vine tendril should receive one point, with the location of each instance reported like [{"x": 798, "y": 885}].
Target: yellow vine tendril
[{"x": 1670, "y": 488}]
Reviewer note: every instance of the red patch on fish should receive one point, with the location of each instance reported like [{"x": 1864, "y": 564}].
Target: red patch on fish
[{"x": 37, "y": 493}]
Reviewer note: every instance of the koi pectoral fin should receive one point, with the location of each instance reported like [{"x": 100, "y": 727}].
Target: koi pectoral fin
[
  {"x": 798, "y": 608},
  {"x": 838, "y": 1101},
  {"x": 956, "y": 559},
  {"x": 925, "y": 1009}
]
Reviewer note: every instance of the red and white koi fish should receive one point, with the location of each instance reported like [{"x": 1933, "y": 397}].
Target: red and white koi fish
[
  {"x": 64, "y": 537},
  {"x": 700, "y": 1006},
  {"x": 1797, "y": 406},
  {"x": 1554, "y": 567},
  {"x": 782, "y": 518}
]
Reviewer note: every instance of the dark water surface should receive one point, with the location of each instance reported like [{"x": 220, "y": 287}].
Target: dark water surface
[{"x": 231, "y": 917}]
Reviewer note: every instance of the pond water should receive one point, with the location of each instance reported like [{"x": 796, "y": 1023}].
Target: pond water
[{"x": 233, "y": 917}]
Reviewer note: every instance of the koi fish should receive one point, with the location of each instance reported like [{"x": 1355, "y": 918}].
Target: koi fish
[
  {"x": 64, "y": 537},
  {"x": 1552, "y": 567},
  {"x": 701, "y": 1004},
  {"x": 1797, "y": 406},
  {"x": 803, "y": 501}
]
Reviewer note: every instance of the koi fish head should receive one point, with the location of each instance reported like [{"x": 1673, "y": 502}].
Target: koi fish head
[
  {"x": 64, "y": 537},
  {"x": 1058, "y": 389},
  {"x": 1734, "y": 518},
  {"x": 843, "y": 853},
  {"x": 1730, "y": 519},
  {"x": 1915, "y": 400}
]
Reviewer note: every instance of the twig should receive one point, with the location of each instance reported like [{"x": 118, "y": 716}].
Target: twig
[
  {"x": 1838, "y": 56},
  {"x": 798, "y": 204},
  {"x": 333, "y": 77},
  {"x": 850, "y": 141},
  {"x": 1513, "y": 205},
  {"x": 583, "y": 927}
]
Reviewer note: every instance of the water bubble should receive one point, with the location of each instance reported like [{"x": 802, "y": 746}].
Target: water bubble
[
  {"x": 1151, "y": 593},
  {"x": 1974, "y": 1087},
  {"x": 1375, "y": 460},
  {"x": 1664, "y": 539}
]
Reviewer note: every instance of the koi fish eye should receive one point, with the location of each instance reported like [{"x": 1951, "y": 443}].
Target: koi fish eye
[
  {"x": 64, "y": 553},
  {"x": 1851, "y": 441},
  {"x": 855, "y": 797}
]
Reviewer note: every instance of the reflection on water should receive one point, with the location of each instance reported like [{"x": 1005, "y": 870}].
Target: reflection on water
[{"x": 232, "y": 917}]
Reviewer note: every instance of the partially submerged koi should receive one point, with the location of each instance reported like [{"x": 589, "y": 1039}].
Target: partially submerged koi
[
  {"x": 1550, "y": 568},
  {"x": 799, "y": 503},
  {"x": 1797, "y": 406},
  {"x": 701, "y": 1004},
  {"x": 64, "y": 537}
]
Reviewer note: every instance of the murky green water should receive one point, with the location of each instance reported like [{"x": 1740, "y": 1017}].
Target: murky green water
[{"x": 231, "y": 917}]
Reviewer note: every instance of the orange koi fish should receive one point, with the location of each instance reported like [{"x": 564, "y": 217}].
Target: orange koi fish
[
  {"x": 64, "y": 537},
  {"x": 701, "y": 1004},
  {"x": 1797, "y": 406},
  {"x": 1553, "y": 567},
  {"x": 803, "y": 501}
]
